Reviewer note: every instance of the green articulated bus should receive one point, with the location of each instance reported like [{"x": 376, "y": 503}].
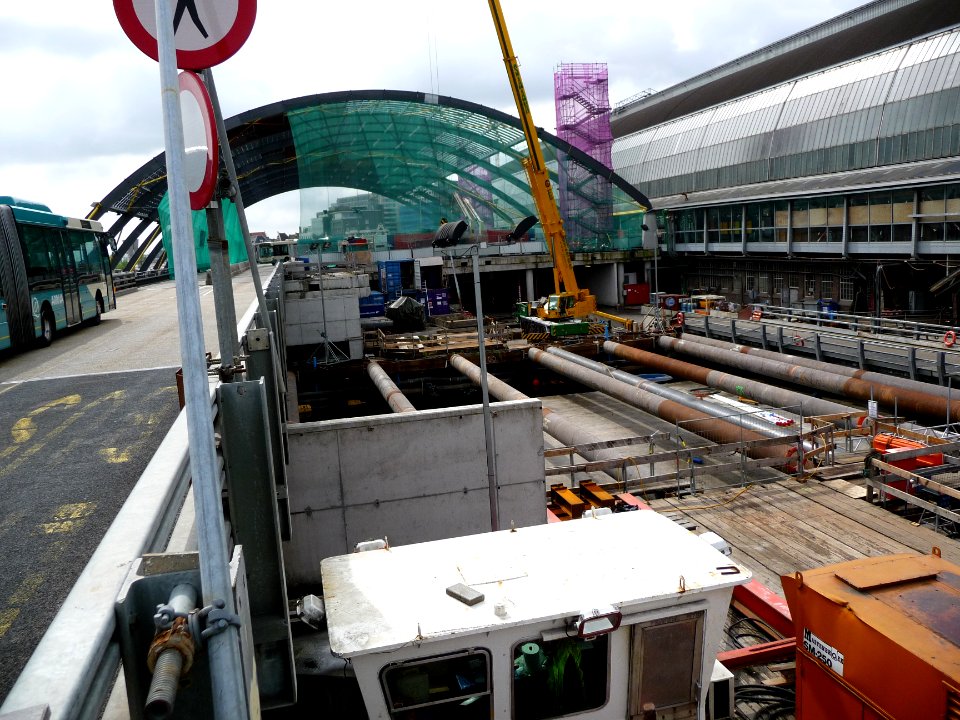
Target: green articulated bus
[{"x": 54, "y": 273}]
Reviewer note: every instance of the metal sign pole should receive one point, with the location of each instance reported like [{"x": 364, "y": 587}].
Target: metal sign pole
[{"x": 224, "y": 647}]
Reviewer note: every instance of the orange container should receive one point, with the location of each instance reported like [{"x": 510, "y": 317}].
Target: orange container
[{"x": 877, "y": 638}]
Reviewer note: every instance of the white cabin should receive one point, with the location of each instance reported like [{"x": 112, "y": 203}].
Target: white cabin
[{"x": 603, "y": 617}]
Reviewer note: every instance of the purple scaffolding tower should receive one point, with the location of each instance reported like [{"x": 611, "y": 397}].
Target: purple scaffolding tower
[{"x": 581, "y": 92}]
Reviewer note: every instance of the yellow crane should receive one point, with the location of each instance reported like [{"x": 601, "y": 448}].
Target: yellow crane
[{"x": 569, "y": 300}]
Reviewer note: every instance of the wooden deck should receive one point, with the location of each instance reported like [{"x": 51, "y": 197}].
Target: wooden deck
[{"x": 787, "y": 526}]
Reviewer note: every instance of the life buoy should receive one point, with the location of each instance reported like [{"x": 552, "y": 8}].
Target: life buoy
[
  {"x": 798, "y": 341},
  {"x": 949, "y": 338},
  {"x": 678, "y": 319},
  {"x": 792, "y": 465}
]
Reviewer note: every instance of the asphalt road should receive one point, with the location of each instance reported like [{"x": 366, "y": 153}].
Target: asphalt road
[{"x": 79, "y": 421}]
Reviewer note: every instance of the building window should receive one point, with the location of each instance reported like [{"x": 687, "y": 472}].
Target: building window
[
  {"x": 846, "y": 289},
  {"x": 557, "y": 678},
  {"x": 778, "y": 284},
  {"x": 764, "y": 284},
  {"x": 811, "y": 287},
  {"x": 450, "y": 686},
  {"x": 826, "y": 288}
]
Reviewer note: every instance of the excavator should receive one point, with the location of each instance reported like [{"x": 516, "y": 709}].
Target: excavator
[{"x": 568, "y": 307}]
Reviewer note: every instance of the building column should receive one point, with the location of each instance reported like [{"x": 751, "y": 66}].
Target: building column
[
  {"x": 619, "y": 284},
  {"x": 530, "y": 289},
  {"x": 743, "y": 229},
  {"x": 845, "y": 236},
  {"x": 789, "y": 228},
  {"x": 915, "y": 227}
]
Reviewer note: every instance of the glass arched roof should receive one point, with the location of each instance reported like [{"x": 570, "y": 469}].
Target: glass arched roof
[{"x": 407, "y": 146}]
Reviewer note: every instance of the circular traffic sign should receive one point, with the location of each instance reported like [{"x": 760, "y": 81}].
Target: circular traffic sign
[
  {"x": 199, "y": 140},
  {"x": 206, "y": 32}
]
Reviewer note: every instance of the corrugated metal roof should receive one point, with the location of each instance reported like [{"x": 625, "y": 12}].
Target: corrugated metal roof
[{"x": 860, "y": 32}]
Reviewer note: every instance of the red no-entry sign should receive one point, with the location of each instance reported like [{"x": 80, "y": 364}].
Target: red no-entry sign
[{"x": 206, "y": 32}]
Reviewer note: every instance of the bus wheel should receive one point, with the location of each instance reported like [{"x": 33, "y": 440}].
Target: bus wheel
[
  {"x": 47, "y": 327},
  {"x": 98, "y": 304}
]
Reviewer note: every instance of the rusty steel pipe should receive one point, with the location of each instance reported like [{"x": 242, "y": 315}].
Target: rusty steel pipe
[
  {"x": 397, "y": 401},
  {"x": 742, "y": 418},
  {"x": 555, "y": 425},
  {"x": 866, "y": 375},
  {"x": 914, "y": 401},
  {"x": 712, "y": 428},
  {"x": 733, "y": 384}
]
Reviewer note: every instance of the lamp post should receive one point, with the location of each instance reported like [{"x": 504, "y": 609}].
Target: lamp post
[{"x": 448, "y": 234}]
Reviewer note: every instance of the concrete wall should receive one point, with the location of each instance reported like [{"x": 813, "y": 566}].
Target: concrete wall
[
  {"x": 304, "y": 318},
  {"x": 411, "y": 477}
]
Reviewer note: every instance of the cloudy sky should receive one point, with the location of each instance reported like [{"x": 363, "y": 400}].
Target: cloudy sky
[{"x": 81, "y": 107}]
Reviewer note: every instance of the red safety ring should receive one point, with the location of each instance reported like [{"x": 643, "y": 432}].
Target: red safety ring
[
  {"x": 798, "y": 341},
  {"x": 949, "y": 338},
  {"x": 678, "y": 319}
]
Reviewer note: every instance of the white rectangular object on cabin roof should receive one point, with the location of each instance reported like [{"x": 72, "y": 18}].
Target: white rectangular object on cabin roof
[{"x": 384, "y": 599}]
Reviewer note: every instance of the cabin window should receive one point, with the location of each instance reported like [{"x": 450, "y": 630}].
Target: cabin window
[
  {"x": 455, "y": 686},
  {"x": 557, "y": 678}
]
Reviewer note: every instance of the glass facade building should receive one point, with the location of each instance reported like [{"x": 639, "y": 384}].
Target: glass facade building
[{"x": 858, "y": 163}]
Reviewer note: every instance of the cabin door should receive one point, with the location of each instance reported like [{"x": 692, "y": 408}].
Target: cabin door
[{"x": 666, "y": 657}]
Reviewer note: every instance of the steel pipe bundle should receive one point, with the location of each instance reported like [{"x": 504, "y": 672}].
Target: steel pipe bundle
[
  {"x": 746, "y": 420},
  {"x": 761, "y": 392},
  {"x": 866, "y": 375},
  {"x": 696, "y": 421},
  {"x": 820, "y": 378}
]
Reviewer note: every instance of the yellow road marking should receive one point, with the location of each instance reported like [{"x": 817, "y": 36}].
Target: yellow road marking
[
  {"x": 57, "y": 431},
  {"x": 68, "y": 518},
  {"x": 25, "y": 591},
  {"x": 113, "y": 455},
  {"x": 7, "y": 617},
  {"x": 24, "y": 428}
]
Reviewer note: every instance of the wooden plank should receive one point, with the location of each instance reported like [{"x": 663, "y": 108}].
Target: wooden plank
[
  {"x": 882, "y": 521},
  {"x": 803, "y": 537},
  {"x": 852, "y": 534}
]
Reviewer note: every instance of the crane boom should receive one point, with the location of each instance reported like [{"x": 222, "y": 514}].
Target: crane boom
[{"x": 571, "y": 300}]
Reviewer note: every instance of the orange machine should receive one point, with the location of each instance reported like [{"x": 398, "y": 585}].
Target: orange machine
[
  {"x": 877, "y": 638},
  {"x": 885, "y": 443}
]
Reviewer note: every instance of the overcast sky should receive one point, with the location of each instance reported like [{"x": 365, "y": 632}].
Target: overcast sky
[{"x": 81, "y": 105}]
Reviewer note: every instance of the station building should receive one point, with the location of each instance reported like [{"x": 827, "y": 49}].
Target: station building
[{"x": 824, "y": 166}]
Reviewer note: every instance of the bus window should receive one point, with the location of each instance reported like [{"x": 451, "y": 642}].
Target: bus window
[{"x": 40, "y": 258}]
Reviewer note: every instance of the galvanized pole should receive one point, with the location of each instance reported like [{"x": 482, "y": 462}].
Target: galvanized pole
[
  {"x": 223, "y": 301},
  {"x": 244, "y": 228},
  {"x": 224, "y": 648},
  {"x": 485, "y": 396}
]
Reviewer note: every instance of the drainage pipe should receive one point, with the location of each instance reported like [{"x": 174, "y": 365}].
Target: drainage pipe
[
  {"x": 397, "y": 401},
  {"x": 743, "y": 419},
  {"x": 921, "y": 403},
  {"x": 744, "y": 387},
  {"x": 712, "y": 428},
  {"x": 865, "y": 375}
]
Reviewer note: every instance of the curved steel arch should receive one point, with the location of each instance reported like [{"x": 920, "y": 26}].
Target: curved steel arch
[{"x": 369, "y": 140}]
